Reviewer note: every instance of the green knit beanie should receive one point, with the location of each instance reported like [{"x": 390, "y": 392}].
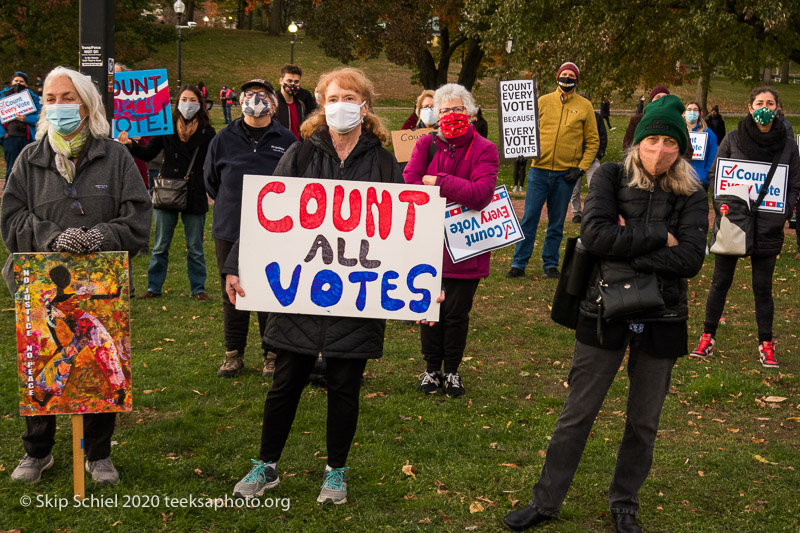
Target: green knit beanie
[{"x": 663, "y": 117}]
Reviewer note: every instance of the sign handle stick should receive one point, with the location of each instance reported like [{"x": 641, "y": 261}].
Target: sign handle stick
[{"x": 77, "y": 457}]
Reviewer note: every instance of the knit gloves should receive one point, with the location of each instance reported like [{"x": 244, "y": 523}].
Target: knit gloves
[{"x": 78, "y": 241}]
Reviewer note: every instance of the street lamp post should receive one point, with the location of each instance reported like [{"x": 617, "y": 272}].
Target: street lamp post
[
  {"x": 179, "y": 8},
  {"x": 293, "y": 31}
]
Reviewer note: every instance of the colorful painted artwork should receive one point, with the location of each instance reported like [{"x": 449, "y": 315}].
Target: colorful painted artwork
[{"x": 73, "y": 333}]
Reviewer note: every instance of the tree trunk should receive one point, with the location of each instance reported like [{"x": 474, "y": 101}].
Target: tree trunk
[
  {"x": 190, "y": 5},
  {"x": 427, "y": 70},
  {"x": 703, "y": 84},
  {"x": 264, "y": 18},
  {"x": 240, "y": 15},
  {"x": 785, "y": 73},
  {"x": 766, "y": 76},
  {"x": 470, "y": 64},
  {"x": 275, "y": 17}
]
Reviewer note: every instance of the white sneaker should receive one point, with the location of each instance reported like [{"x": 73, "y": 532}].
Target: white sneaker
[
  {"x": 29, "y": 469},
  {"x": 103, "y": 471}
]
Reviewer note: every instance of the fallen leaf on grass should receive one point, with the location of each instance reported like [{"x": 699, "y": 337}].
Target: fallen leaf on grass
[
  {"x": 409, "y": 470},
  {"x": 762, "y": 460},
  {"x": 348, "y": 518},
  {"x": 510, "y": 465},
  {"x": 424, "y": 521},
  {"x": 475, "y": 507},
  {"x": 156, "y": 349},
  {"x": 440, "y": 487},
  {"x": 198, "y": 392},
  {"x": 701, "y": 473},
  {"x": 198, "y": 471},
  {"x": 166, "y": 517},
  {"x": 794, "y": 418},
  {"x": 775, "y": 399},
  {"x": 169, "y": 340},
  {"x": 411, "y": 496},
  {"x": 115, "y": 524},
  {"x": 374, "y": 395},
  {"x": 733, "y": 430}
]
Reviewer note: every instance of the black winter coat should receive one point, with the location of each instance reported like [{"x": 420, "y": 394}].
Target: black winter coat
[
  {"x": 331, "y": 336},
  {"x": 769, "y": 226},
  {"x": 177, "y": 156},
  {"x": 642, "y": 241}
]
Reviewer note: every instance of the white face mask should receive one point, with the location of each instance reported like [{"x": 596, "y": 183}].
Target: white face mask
[
  {"x": 188, "y": 109},
  {"x": 343, "y": 117},
  {"x": 427, "y": 116}
]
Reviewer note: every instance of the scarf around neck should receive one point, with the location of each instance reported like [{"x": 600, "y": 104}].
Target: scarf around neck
[
  {"x": 186, "y": 130},
  {"x": 758, "y": 145},
  {"x": 65, "y": 151}
]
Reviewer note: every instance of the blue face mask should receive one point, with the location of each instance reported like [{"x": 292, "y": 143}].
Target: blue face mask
[
  {"x": 65, "y": 118},
  {"x": 692, "y": 117}
]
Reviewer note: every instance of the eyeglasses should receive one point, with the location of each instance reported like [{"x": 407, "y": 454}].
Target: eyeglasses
[
  {"x": 77, "y": 208},
  {"x": 457, "y": 109},
  {"x": 260, "y": 94},
  {"x": 292, "y": 82},
  {"x": 427, "y": 107}
]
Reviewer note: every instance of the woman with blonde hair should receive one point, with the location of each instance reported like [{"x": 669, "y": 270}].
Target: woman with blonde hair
[
  {"x": 646, "y": 217},
  {"x": 343, "y": 143},
  {"x": 423, "y": 115},
  {"x": 697, "y": 124}
]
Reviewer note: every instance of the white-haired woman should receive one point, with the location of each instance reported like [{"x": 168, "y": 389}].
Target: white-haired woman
[
  {"x": 665, "y": 215},
  {"x": 73, "y": 190},
  {"x": 464, "y": 166}
]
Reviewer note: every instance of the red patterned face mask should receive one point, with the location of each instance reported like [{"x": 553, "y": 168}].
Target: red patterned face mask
[{"x": 454, "y": 125}]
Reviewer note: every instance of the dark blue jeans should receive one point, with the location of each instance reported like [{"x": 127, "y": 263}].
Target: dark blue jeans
[
  {"x": 12, "y": 147},
  {"x": 544, "y": 186},
  {"x": 593, "y": 371},
  {"x": 193, "y": 225},
  {"x": 226, "y": 113}
]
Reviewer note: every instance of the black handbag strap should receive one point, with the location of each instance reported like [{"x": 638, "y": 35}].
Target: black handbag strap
[
  {"x": 191, "y": 163},
  {"x": 767, "y": 181}
]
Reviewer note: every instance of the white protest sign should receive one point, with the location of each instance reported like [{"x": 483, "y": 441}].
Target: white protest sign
[
  {"x": 469, "y": 233},
  {"x": 751, "y": 174},
  {"x": 341, "y": 248},
  {"x": 699, "y": 141},
  {"x": 405, "y": 140},
  {"x": 16, "y": 104},
  {"x": 518, "y": 119}
]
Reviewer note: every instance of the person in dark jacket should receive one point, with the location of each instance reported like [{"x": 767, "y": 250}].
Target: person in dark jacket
[
  {"x": 657, "y": 92},
  {"x": 252, "y": 144},
  {"x": 187, "y": 145},
  {"x": 464, "y": 167},
  {"x": 345, "y": 139},
  {"x": 423, "y": 115},
  {"x": 481, "y": 126},
  {"x": 19, "y": 132},
  {"x": 605, "y": 112},
  {"x": 291, "y": 111},
  {"x": 575, "y": 200},
  {"x": 758, "y": 137},
  {"x": 72, "y": 178},
  {"x": 665, "y": 214},
  {"x": 716, "y": 124}
]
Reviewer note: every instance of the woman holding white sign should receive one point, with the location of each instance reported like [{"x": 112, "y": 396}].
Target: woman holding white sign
[
  {"x": 464, "y": 166},
  {"x": 343, "y": 143},
  {"x": 704, "y": 142},
  {"x": 758, "y": 138}
]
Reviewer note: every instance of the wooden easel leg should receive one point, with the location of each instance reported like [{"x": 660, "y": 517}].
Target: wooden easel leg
[{"x": 77, "y": 456}]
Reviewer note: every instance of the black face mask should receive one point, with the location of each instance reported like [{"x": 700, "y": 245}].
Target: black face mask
[
  {"x": 567, "y": 84},
  {"x": 17, "y": 88}
]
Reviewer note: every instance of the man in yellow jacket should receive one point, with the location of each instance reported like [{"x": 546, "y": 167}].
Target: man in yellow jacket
[{"x": 566, "y": 125}]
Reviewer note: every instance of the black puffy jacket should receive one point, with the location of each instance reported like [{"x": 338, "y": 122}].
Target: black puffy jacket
[
  {"x": 331, "y": 336},
  {"x": 642, "y": 241}
]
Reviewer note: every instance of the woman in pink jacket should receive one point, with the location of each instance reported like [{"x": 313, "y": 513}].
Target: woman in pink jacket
[{"x": 464, "y": 167}]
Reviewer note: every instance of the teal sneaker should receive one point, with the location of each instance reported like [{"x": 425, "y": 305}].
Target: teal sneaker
[
  {"x": 263, "y": 476},
  {"x": 334, "y": 487}
]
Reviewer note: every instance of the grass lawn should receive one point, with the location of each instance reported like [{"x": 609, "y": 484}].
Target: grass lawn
[{"x": 726, "y": 459}]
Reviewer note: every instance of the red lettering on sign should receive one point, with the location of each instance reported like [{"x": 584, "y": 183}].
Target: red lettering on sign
[
  {"x": 275, "y": 226},
  {"x": 350, "y": 223},
  {"x": 384, "y": 213},
  {"x": 317, "y": 192},
  {"x": 413, "y": 198}
]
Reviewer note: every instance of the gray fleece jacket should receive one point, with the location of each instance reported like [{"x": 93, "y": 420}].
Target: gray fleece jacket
[{"x": 37, "y": 204}]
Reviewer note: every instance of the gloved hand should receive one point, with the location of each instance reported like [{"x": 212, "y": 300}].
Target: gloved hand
[
  {"x": 78, "y": 241},
  {"x": 573, "y": 175}
]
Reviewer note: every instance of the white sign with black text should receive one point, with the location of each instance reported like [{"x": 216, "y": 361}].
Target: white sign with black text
[
  {"x": 518, "y": 119},
  {"x": 699, "y": 141}
]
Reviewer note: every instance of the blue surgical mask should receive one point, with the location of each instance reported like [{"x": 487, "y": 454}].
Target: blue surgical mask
[
  {"x": 65, "y": 118},
  {"x": 692, "y": 117}
]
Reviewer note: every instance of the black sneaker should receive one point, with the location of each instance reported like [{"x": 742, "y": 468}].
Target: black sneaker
[
  {"x": 551, "y": 273},
  {"x": 577, "y": 219},
  {"x": 452, "y": 386},
  {"x": 430, "y": 382},
  {"x": 516, "y": 273}
]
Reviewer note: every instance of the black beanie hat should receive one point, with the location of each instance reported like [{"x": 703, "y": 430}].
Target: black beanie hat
[{"x": 664, "y": 117}]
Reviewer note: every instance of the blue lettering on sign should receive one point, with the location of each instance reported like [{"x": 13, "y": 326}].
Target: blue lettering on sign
[
  {"x": 387, "y": 302},
  {"x": 747, "y": 175},
  {"x": 363, "y": 278},
  {"x": 284, "y": 296},
  {"x": 419, "y": 306},
  {"x": 326, "y": 297}
]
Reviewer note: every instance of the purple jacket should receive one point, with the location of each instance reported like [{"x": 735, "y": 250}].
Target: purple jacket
[{"x": 466, "y": 172}]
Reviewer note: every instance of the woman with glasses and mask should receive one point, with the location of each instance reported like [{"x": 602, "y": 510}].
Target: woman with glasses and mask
[
  {"x": 73, "y": 190},
  {"x": 343, "y": 143},
  {"x": 423, "y": 115},
  {"x": 251, "y": 144},
  {"x": 464, "y": 167},
  {"x": 184, "y": 153}
]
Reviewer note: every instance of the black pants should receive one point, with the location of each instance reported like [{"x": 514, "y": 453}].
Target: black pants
[
  {"x": 520, "y": 166},
  {"x": 608, "y": 121},
  {"x": 445, "y": 341},
  {"x": 724, "y": 269},
  {"x": 291, "y": 375},
  {"x": 40, "y": 435},
  {"x": 235, "y": 323}
]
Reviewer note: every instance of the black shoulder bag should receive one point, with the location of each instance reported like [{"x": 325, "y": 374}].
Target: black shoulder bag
[{"x": 173, "y": 194}]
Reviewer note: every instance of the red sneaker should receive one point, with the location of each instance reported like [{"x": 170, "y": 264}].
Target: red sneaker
[
  {"x": 705, "y": 348},
  {"x": 766, "y": 354}
]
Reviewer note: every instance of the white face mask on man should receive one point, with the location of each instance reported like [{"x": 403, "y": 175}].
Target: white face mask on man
[{"x": 343, "y": 117}]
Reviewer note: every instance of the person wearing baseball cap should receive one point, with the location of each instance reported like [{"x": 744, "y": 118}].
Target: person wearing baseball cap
[
  {"x": 568, "y": 145},
  {"x": 666, "y": 219},
  {"x": 251, "y": 144}
]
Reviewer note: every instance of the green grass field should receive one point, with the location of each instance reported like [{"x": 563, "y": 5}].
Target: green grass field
[{"x": 726, "y": 459}]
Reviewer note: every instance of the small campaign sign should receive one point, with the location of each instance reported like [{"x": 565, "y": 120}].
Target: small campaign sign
[
  {"x": 469, "y": 233},
  {"x": 341, "y": 248},
  {"x": 405, "y": 140},
  {"x": 699, "y": 144},
  {"x": 518, "y": 118},
  {"x": 141, "y": 103},
  {"x": 19, "y": 103},
  {"x": 751, "y": 174}
]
